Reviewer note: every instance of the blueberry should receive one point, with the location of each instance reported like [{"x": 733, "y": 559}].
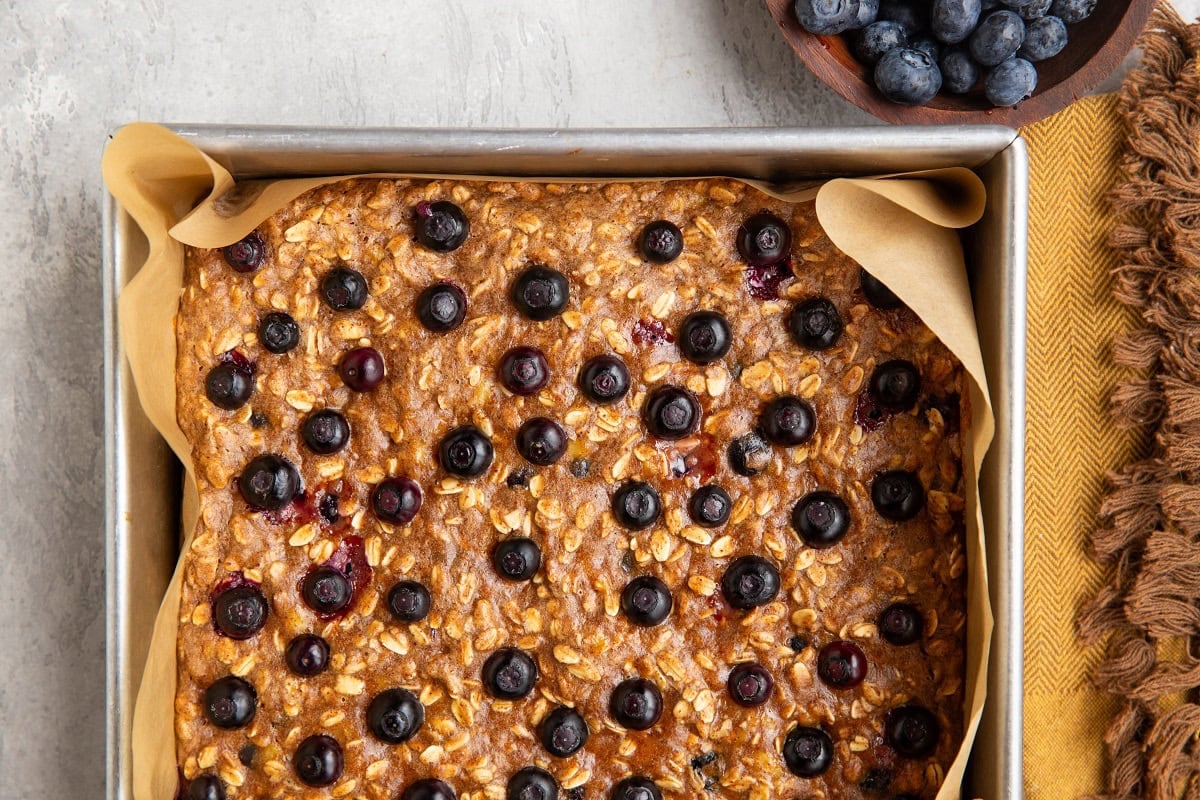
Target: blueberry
[
  {"x": 877, "y": 293},
  {"x": 229, "y": 385},
  {"x": 395, "y": 716},
  {"x": 749, "y": 454},
  {"x": 362, "y": 369},
  {"x": 764, "y": 239},
  {"x": 247, "y": 754},
  {"x": 441, "y": 307},
  {"x": 541, "y": 441},
  {"x": 517, "y": 559},
  {"x": 325, "y": 431},
  {"x": 913, "y": 731},
  {"x": 409, "y": 601},
  {"x": 509, "y": 674},
  {"x": 1011, "y": 82},
  {"x": 749, "y": 685},
  {"x": 750, "y": 582},
  {"x": 660, "y": 242},
  {"x": 580, "y": 467},
  {"x": 868, "y": 12},
  {"x": 997, "y": 38},
  {"x": 240, "y": 611},
  {"x": 635, "y": 787},
  {"x": 307, "y": 655},
  {"x": 821, "y": 519},
  {"x": 808, "y": 752},
  {"x": 815, "y": 324},
  {"x": 318, "y": 761},
  {"x": 671, "y": 413},
  {"x": 901, "y": 624},
  {"x": 523, "y": 370},
  {"x": 826, "y": 17},
  {"x": 960, "y": 73},
  {"x": 604, "y": 379},
  {"x": 877, "y": 38},
  {"x": 1031, "y": 11},
  {"x": 1044, "y": 38},
  {"x": 441, "y": 226},
  {"x": 532, "y": 783},
  {"x": 278, "y": 332},
  {"x": 230, "y": 702},
  {"x": 563, "y": 732},
  {"x": 326, "y": 590},
  {"x": 428, "y": 789},
  {"x": 709, "y": 506},
  {"x": 344, "y": 289},
  {"x": 907, "y": 76},
  {"x": 465, "y": 452},
  {"x": 953, "y": 20},
  {"x": 636, "y": 704},
  {"x": 704, "y": 336},
  {"x": 897, "y": 495},
  {"x": 636, "y": 505},
  {"x": 1072, "y": 11},
  {"x": 797, "y": 643},
  {"x": 912, "y": 14},
  {"x": 328, "y": 508},
  {"x": 205, "y": 787},
  {"x": 246, "y": 255},
  {"x": 876, "y": 780},
  {"x": 646, "y": 601},
  {"x": 841, "y": 665},
  {"x": 396, "y": 500},
  {"x": 518, "y": 477},
  {"x": 895, "y": 385},
  {"x": 787, "y": 421},
  {"x": 269, "y": 482},
  {"x": 929, "y": 46},
  {"x": 541, "y": 293}
]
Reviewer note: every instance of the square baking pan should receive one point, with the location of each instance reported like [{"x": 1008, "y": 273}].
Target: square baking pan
[{"x": 143, "y": 478}]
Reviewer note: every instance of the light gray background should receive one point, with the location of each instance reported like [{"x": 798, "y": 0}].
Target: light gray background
[{"x": 70, "y": 72}]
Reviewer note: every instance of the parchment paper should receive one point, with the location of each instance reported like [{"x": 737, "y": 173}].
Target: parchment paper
[{"x": 901, "y": 228}]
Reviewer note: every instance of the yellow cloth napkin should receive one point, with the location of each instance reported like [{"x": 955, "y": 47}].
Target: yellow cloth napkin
[{"x": 1071, "y": 440}]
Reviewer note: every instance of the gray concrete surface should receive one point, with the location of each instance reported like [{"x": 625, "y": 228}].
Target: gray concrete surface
[{"x": 72, "y": 71}]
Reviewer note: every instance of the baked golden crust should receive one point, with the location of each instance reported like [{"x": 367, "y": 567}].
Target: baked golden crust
[{"x": 568, "y": 616}]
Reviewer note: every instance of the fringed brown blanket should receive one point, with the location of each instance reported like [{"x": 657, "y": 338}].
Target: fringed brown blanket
[{"x": 1149, "y": 612}]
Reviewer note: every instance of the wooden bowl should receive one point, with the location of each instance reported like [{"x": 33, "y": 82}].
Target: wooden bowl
[{"x": 1095, "y": 48}]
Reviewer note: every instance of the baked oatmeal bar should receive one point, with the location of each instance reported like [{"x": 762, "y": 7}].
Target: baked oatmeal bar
[{"x": 516, "y": 490}]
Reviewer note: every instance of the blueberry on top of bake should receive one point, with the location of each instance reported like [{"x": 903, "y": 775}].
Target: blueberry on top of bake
[
  {"x": 646, "y": 601},
  {"x": 660, "y": 241},
  {"x": 764, "y": 239},
  {"x": 815, "y": 324},
  {"x": 441, "y": 307},
  {"x": 344, "y": 289},
  {"x": 531, "y": 783},
  {"x": 278, "y": 332},
  {"x": 409, "y": 601},
  {"x": 604, "y": 379},
  {"x": 541, "y": 293},
  {"x": 466, "y": 452},
  {"x": 509, "y": 674},
  {"x": 318, "y": 761},
  {"x": 362, "y": 369},
  {"x": 247, "y": 254},
  {"x": 441, "y": 226}
]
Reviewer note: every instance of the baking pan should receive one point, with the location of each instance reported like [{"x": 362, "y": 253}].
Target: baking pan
[{"x": 142, "y": 477}]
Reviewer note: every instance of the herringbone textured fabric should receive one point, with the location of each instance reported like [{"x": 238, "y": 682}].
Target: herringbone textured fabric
[{"x": 1071, "y": 441}]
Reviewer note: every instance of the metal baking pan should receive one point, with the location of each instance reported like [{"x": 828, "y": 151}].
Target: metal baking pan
[{"x": 142, "y": 478}]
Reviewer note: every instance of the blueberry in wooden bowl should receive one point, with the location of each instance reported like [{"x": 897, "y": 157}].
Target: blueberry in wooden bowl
[{"x": 1004, "y": 62}]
